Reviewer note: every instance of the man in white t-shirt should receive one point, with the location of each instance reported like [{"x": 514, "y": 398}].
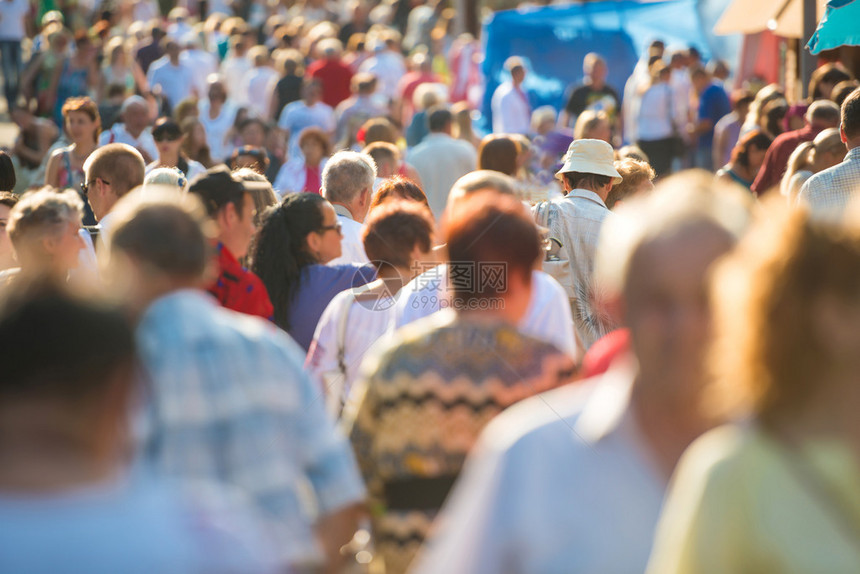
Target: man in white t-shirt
[
  {"x": 347, "y": 182},
  {"x": 387, "y": 65},
  {"x": 510, "y": 105},
  {"x": 202, "y": 63},
  {"x": 12, "y": 14},
  {"x": 217, "y": 114},
  {"x": 259, "y": 82},
  {"x": 175, "y": 79},
  {"x": 134, "y": 129},
  {"x": 548, "y": 317},
  {"x": 308, "y": 112}
]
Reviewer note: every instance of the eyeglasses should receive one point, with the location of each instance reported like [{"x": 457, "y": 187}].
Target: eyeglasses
[
  {"x": 337, "y": 227},
  {"x": 85, "y": 186}
]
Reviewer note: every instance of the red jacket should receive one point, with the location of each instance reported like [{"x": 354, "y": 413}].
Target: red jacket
[
  {"x": 239, "y": 289},
  {"x": 776, "y": 158}
]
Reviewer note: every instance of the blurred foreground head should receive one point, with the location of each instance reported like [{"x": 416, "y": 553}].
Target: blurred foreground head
[
  {"x": 652, "y": 268},
  {"x": 788, "y": 318},
  {"x": 66, "y": 384},
  {"x": 160, "y": 242}
]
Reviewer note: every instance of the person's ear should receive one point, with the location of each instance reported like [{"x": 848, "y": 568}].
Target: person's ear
[
  {"x": 49, "y": 243},
  {"x": 313, "y": 241},
  {"x": 842, "y": 135},
  {"x": 227, "y": 216}
]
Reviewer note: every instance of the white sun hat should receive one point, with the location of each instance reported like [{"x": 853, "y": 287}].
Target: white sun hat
[{"x": 590, "y": 156}]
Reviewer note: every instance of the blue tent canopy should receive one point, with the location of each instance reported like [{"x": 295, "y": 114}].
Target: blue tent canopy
[
  {"x": 840, "y": 26},
  {"x": 554, "y": 40}
]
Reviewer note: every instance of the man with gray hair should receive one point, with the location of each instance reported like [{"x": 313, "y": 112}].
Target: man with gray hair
[
  {"x": 572, "y": 480},
  {"x": 347, "y": 182},
  {"x": 134, "y": 129},
  {"x": 229, "y": 401}
]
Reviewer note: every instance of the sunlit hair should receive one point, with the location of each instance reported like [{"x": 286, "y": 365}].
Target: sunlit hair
[
  {"x": 633, "y": 173},
  {"x": 587, "y": 122},
  {"x": 398, "y": 187},
  {"x": 768, "y": 355},
  {"x": 41, "y": 213},
  {"x": 680, "y": 202},
  {"x": 498, "y": 152},
  {"x": 263, "y": 194},
  {"x": 86, "y": 106},
  {"x": 392, "y": 232},
  {"x": 741, "y": 151},
  {"x": 490, "y": 228}
]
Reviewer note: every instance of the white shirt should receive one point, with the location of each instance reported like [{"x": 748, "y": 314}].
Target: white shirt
[
  {"x": 292, "y": 176},
  {"x": 12, "y": 19},
  {"x": 217, "y": 128},
  {"x": 560, "y": 482},
  {"x": 201, "y": 64},
  {"x": 258, "y": 86},
  {"x": 118, "y": 134},
  {"x": 367, "y": 323},
  {"x": 176, "y": 82},
  {"x": 547, "y": 318},
  {"x": 194, "y": 169},
  {"x": 656, "y": 111},
  {"x": 352, "y": 247},
  {"x": 234, "y": 68},
  {"x": 297, "y": 116},
  {"x": 511, "y": 111},
  {"x": 440, "y": 161},
  {"x": 388, "y": 67}
]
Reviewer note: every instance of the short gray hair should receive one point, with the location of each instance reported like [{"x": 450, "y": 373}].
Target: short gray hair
[
  {"x": 42, "y": 213},
  {"x": 346, "y": 175}
]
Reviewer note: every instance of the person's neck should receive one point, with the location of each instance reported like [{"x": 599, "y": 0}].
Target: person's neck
[
  {"x": 215, "y": 108},
  {"x": 39, "y": 455},
  {"x": 394, "y": 276},
  {"x": 133, "y": 132},
  {"x": 174, "y": 62},
  {"x": 313, "y": 163},
  {"x": 168, "y": 160},
  {"x": 851, "y": 144},
  {"x": 597, "y": 85},
  {"x": 83, "y": 149},
  {"x": 667, "y": 426},
  {"x": 346, "y": 207}
]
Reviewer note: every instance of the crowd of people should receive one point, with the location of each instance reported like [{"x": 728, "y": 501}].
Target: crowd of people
[{"x": 275, "y": 297}]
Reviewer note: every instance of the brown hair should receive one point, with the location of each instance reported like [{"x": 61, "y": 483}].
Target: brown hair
[
  {"x": 379, "y": 130},
  {"x": 754, "y": 139},
  {"x": 398, "y": 187},
  {"x": 392, "y": 232},
  {"x": 633, "y": 173},
  {"x": 490, "y": 228},
  {"x": 86, "y": 106},
  {"x": 498, "y": 152},
  {"x": 320, "y": 136}
]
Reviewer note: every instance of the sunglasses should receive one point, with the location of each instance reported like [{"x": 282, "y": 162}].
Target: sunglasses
[
  {"x": 166, "y": 137},
  {"x": 337, "y": 227},
  {"x": 85, "y": 185}
]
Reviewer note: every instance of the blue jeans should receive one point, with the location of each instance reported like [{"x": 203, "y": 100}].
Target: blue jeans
[{"x": 10, "y": 67}]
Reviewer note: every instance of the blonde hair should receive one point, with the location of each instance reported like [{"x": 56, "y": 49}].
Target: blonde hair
[
  {"x": 766, "y": 357},
  {"x": 587, "y": 121}
]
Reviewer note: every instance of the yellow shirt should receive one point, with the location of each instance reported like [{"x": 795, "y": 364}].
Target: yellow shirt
[{"x": 739, "y": 504}]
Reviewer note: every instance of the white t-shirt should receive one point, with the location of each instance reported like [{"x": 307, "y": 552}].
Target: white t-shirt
[
  {"x": 176, "y": 82},
  {"x": 258, "y": 85},
  {"x": 12, "y": 19},
  {"x": 297, "y": 116},
  {"x": 547, "y": 318},
  {"x": 234, "y": 68},
  {"x": 118, "y": 134},
  {"x": 202, "y": 64},
  {"x": 194, "y": 169},
  {"x": 511, "y": 110},
  {"x": 367, "y": 323},
  {"x": 216, "y": 129},
  {"x": 352, "y": 247}
]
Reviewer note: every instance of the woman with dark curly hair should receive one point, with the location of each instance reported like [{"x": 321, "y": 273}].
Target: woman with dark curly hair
[{"x": 298, "y": 237}]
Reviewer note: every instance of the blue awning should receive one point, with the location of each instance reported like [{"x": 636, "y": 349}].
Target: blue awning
[{"x": 840, "y": 26}]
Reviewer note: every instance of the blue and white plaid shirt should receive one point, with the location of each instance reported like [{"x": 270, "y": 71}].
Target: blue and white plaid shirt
[
  {"x": 828, "y": 192},
  {"x": 231, "y": 403}
]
